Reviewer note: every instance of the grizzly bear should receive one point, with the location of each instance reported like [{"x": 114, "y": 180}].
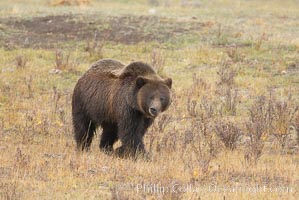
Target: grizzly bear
[{"x": 123, "y": 100}]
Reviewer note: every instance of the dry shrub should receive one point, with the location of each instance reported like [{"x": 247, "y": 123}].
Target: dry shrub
[
  {"x": 158, "y": 129},
  {"x": 1, "y": 123},
  {"x": 56, "y": 97},
  {"x": 22, "y": 163},
  {"x": 60, "y": 100},
  {"x": 254, "y": 151},
  {"x": 198, "y": 88},
  {"x": 22, "y": 160},
  {"x": 268, "y": 116},
  {"x": 95, "y": 46},
  {"x": 29, "y": 128},
  {"x": 260, "y": 41},
  {"x": 284, "y": 113},
  {"x": 297, "y": 127},
  {"x": 234, "y": 54},
  {"x": 199, "y": 147},
  {"x": 29, "y": 84},
  {"x": 229, "y": 134},
  {"x": 169, "y": 141},
  {"x": 200, "y": 143},
  {"x": 70, "y": 2},
  {"x": 9, "y": 191},
  {"x": 63, "y": 62},
  {"x": 226, "y": 74},
  {"x": 222, "y": 37},
  {"x": 158, "y": 61},
  {"x": 226, "y": 88},
  {"x": 21, "y": 61},
  {"x": 199, "y": 101},
  {"x": 257, "y": 127},
  {"x": 117, "y": 194}
]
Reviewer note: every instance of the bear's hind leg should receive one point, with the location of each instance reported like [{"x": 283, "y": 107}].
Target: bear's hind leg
[
  {"x": 109, "y": 136},
  {"x": 91, "y": 132},
  {"x": 84, "y": 131}
]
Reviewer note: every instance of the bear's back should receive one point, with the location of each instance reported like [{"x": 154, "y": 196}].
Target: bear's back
[
  {"x": 106, "y": 66},
  {"x": 116, "y": 69}
]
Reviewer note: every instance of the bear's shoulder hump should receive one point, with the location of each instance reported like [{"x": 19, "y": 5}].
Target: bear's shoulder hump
[{"x": 135, "y": 69}]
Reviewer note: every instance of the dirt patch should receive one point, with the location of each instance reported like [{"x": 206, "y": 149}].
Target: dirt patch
[{"x": 49, "y": 31}]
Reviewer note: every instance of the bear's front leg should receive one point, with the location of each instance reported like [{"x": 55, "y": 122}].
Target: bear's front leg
[
  {"x": 131, "y": 136},
  {"x": 131, "y": 147}
]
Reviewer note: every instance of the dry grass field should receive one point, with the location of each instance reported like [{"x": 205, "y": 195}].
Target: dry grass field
[{"x": 230, "y": 133}]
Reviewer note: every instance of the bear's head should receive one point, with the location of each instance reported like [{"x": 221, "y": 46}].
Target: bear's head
[{"x": 153, "y": 96}]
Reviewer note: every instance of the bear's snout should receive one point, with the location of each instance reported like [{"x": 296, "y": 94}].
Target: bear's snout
[
  {"x": 155, "y": 107},
  {"x": 153, "y": 111}
]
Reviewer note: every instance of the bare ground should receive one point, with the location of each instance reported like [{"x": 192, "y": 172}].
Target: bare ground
[{"x": 49, "y": 31}]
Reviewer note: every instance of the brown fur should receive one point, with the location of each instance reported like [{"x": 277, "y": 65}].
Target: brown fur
[{"x": 123, "y": 100}]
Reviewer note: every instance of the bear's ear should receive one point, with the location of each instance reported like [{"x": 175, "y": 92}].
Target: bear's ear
[
  {"x": 168, "y": 82},
  {"x": 140, "y": 81}
]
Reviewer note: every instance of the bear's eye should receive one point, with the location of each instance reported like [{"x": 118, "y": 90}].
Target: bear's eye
[{"x": 162, "y": 99}]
